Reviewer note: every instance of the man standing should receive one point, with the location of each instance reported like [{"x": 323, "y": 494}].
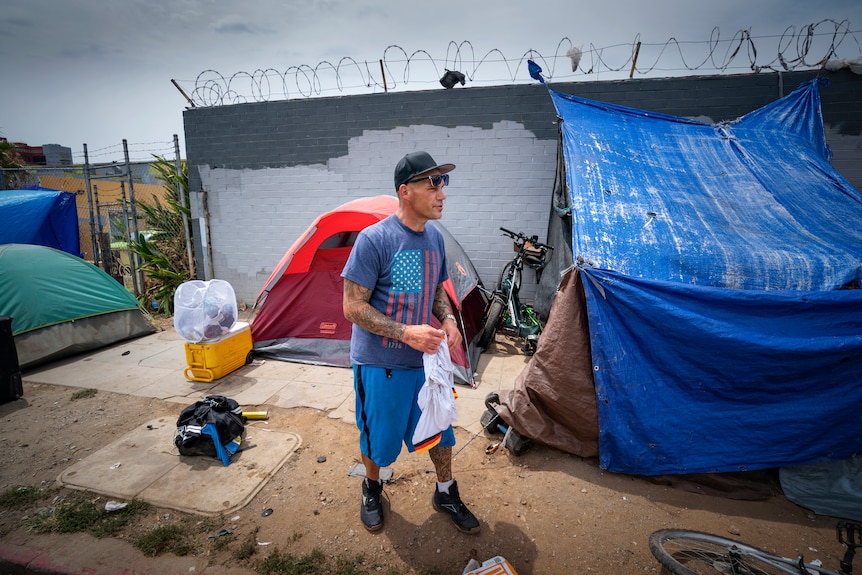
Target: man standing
[{"x": 393, "y": 283}]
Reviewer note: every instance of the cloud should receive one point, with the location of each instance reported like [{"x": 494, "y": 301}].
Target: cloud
[
  {"x": 85, "y": 60},
  {"x": 13, "y": 24},
  {"x": 231, "y": 25}
]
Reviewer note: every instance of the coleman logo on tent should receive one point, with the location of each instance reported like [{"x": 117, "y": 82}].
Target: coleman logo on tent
[{"x": 328, "y": 327}]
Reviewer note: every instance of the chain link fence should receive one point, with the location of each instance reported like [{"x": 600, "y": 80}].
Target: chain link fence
[{"x": 107, "y": 201}]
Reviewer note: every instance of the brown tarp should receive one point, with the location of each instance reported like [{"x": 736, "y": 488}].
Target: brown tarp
[{"x": 554, "y": 399}]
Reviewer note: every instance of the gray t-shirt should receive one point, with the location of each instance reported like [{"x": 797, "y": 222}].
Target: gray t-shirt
[{"x": 403, "y": 269}]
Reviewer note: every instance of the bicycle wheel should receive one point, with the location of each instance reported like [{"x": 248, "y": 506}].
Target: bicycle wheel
[
  {"x": 684, "y": 552},
  {"x": 492, "y": 318},
  {"x": 504, "y": 273}
]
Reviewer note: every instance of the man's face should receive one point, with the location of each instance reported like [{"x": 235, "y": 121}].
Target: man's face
[{"x": 425, "y": 199}]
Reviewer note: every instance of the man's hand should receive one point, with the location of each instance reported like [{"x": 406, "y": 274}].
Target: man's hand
[
  {"x": 452, "y": 333},
  {"x": 423, "y": 337}
]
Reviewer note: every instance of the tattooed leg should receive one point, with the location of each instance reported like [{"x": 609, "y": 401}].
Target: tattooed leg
[{"x": 442, "y": 459}]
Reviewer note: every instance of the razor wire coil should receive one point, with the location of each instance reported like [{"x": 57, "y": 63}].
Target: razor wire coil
[{"x": 805, "y": 48}]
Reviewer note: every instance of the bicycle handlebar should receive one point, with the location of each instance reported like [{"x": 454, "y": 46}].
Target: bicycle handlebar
[{"x": 532, "y": 239}]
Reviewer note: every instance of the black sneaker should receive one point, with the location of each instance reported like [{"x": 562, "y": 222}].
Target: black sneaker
[
  {"x": 451, "y": 503},
  {"x": 371, "y": 511}
]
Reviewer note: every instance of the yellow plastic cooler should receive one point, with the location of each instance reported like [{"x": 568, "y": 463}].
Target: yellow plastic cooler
[{"x": 214, "y": 359}]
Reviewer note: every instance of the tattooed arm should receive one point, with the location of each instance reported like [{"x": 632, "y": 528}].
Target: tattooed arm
[{"x": 358, "y": 310}]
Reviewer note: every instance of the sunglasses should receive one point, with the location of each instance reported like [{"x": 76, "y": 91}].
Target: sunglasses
[{"x": 436, "y": 180}]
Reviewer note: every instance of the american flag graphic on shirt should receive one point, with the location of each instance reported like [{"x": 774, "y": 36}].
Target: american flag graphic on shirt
[{"x": 414, "y": 282}]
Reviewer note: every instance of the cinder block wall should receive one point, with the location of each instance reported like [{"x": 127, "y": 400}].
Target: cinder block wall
[{"x": 261, "y": 172}]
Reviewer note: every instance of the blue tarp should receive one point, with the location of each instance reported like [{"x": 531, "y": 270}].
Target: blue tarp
[
  {"x": 41, "y": 217},
  {"x": 693, "y": 379},
  {"x": 747, "y": 204},
  {"x": 713, "y": 255}
]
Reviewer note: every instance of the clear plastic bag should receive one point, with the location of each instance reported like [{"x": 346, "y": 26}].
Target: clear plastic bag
[{"x": 204, "y": 310}]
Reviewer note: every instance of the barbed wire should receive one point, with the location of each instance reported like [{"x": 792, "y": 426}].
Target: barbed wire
[
  {"x": 806, "y": 48},
  {"x": 140, "y": 152}
]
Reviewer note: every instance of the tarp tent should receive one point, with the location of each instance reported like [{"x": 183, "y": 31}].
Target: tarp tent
[
  {"x": 40, "y": 216},
  {"x": 61, "y": 305},
  {"x": 299, "y": 309},
  {"x": 707, "y": 305}
]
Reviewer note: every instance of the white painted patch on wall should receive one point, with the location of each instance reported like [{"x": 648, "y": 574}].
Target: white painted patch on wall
[{"x": 504, "y": 177}]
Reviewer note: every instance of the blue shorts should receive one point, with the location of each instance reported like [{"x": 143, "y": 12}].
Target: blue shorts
[{"x": 387, "y": 412}]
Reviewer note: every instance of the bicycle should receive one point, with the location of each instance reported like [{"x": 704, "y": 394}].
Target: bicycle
[
  {"x": 685, "y": 552},
  {"x": 504, "y": 310}
]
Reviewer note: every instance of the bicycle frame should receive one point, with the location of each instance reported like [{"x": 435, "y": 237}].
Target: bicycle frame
[{"x": 505, "y": 311}]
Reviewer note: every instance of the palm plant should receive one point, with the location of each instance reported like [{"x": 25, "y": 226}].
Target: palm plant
[
  {"x": 163, "y": 249},
  {"x": 9, "y": 158}
]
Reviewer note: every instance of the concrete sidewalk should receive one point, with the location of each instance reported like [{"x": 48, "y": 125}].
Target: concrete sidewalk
[{"x": 153, "y": 366}]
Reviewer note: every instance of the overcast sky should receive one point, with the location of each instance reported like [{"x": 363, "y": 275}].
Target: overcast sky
[{"x": 95, "y": 72}]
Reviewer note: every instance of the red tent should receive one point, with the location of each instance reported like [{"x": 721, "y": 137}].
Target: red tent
[{"x": 299, "y": 314}]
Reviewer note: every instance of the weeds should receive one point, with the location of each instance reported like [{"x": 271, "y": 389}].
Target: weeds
[
  {"x": 20, "y": 496},
  {"x": 84, "y": 394},
  {"x": 248, "y": 547},
  {"x": 316, "y": 563},
  {"x": 80, "y": 515},
  {"x": 76, "y": 513},
  {"x": 165, "y": 539}
]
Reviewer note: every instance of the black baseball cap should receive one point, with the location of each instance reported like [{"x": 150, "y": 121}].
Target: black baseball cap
[{"x": 416, "y": 163}]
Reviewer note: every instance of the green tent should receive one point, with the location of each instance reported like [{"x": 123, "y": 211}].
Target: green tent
[{"x": 62, "y": 305}]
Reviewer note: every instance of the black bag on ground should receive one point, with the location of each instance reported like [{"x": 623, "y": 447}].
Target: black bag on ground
[
  {"x": 223, "y": 412},
  {"x": 11, "y": 387}
]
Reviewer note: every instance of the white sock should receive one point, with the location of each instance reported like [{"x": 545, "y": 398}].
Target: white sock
[{"x": 444, "y": 486}]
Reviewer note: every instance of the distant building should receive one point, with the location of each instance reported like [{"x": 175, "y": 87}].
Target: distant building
[
  {"x": 57, "y": 155},
  {"x": 50, "y": 155}
]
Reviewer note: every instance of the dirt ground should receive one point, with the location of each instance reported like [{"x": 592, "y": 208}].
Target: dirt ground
[{"x": 545, "y": 511}]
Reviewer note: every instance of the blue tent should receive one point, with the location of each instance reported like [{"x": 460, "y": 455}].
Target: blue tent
[
  {"x": 40, "y": 216},
  {"x": 720, "y": 267}
]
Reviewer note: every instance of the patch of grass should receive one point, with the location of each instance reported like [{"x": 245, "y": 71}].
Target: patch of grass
[
  {"x": 278, "y": 563},
  {"x": 316, "y": 563},
  {"x": 112, "y": 523},
  {"x": 165, "y": 539},
  {"x": 348, "y": 566},
  {"x": 67, "y": 517},
  {"x": 222, "y": 543},
  {"x": 20, "y": 496},
  {"x": 77, "y": 514},
  {"x": 248, "y": 547},
  {"x": 84, "y": 393}
]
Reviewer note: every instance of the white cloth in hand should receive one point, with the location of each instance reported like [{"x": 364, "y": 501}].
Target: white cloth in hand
[{"x": 436, "y": 399}]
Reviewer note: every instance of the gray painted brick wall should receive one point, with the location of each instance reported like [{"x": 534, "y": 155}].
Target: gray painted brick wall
[{"x": 268, "y": 169}]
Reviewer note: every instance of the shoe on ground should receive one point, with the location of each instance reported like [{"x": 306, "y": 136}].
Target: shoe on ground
[
  {"x": 451, "y": 504},
  {"x": 371, "y": 511}
]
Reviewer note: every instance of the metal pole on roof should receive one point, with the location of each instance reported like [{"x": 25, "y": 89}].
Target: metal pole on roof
[
  {"x": 181, "y": 190},
  {"x": 90, "y": 204},
  {"x": 635, "y": 60},
  {"x": 382, "y": 73}
]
